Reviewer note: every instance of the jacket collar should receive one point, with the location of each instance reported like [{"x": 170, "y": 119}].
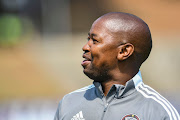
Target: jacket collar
[{"x": 120, "y": 90}]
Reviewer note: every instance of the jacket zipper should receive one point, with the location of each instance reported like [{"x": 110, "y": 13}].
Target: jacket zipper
[
  {"x": 106, "y": 106},
  {"x": 105, "y": 109}
]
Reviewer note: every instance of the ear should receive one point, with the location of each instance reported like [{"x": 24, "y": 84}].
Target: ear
[{"x": 125, "y": 51}]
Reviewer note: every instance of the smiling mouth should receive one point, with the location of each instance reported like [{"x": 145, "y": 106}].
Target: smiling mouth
[{"x": 86, "y": 61}]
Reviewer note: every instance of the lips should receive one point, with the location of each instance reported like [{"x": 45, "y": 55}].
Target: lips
[{"x": 86, "y": 60}]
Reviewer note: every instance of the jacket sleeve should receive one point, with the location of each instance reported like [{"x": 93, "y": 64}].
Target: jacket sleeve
[{"x": 58, "y": 112}]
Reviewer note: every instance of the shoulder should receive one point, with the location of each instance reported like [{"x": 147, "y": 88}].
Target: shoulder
[
  {"x": 83, "y": 89},
  {"x": 73, "y": 99},
  {"x": 157, "y": 103},
  {"x": 78, "y": 94}
]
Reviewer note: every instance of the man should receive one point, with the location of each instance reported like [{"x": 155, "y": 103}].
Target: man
[{"x": 118, "y": 43}]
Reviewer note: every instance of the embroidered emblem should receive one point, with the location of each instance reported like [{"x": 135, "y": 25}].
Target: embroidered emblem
[
  {"x": 131, "y": 117},
  {"x": 78, "y": 116}
]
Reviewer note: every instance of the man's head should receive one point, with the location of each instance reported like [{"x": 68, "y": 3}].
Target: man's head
[{"x": 117, "y": 42}]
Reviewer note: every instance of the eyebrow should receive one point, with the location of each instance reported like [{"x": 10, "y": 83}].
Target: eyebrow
[{"x": 92, "y": 34}]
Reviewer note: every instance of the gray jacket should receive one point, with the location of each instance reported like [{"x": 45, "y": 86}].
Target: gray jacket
[{"x": 134, "y": 101}]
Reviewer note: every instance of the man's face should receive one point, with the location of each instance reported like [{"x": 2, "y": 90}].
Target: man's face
[{"x": 100, "y": 52}]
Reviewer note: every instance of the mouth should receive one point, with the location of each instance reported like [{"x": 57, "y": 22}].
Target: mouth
[{"x": 86, "y": 60}]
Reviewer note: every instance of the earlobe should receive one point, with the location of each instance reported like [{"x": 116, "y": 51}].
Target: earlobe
[{"x": 125, "y": 51}]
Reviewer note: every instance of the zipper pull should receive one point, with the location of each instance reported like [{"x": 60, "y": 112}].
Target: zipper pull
[{"x": 106, "y": 107}]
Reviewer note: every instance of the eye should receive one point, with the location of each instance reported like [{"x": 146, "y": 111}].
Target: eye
[
  {"x": 88, "y": 38},
  {"x": 95, "y": 41}
]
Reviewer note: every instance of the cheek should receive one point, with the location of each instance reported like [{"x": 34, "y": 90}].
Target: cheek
[
  {"x": 103, "y": 54},
  {"x": 103, "y": 58},
  {"x": 95, "y": 52}
]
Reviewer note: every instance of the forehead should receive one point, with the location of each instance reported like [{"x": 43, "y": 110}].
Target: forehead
[
  {"x": 99, "y": 29},
  {"x": 113, "y": 26}
]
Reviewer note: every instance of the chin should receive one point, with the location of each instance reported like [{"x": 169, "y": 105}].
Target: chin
[
  {"x": 94, "y": 76},
  {"x": 89, "y": 74}
]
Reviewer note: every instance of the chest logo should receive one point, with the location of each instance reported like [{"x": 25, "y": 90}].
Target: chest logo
[
  {"x": 78, "y": 116},
  {"x": 131, "y": 117}
]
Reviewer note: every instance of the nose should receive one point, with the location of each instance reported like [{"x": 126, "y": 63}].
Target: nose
[{"x": 86, "y": 47}]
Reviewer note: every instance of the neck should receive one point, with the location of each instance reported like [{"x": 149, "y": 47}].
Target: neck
[{"x": 117, "y": 78}]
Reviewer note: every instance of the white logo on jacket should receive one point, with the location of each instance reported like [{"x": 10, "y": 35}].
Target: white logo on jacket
[{"x": 78, "y": 116}]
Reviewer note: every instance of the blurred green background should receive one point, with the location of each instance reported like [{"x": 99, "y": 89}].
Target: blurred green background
[{"x": 40, "y": 51}]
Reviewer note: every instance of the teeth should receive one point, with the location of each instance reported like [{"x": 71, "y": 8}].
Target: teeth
[{"x": 86, "y": 59}]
